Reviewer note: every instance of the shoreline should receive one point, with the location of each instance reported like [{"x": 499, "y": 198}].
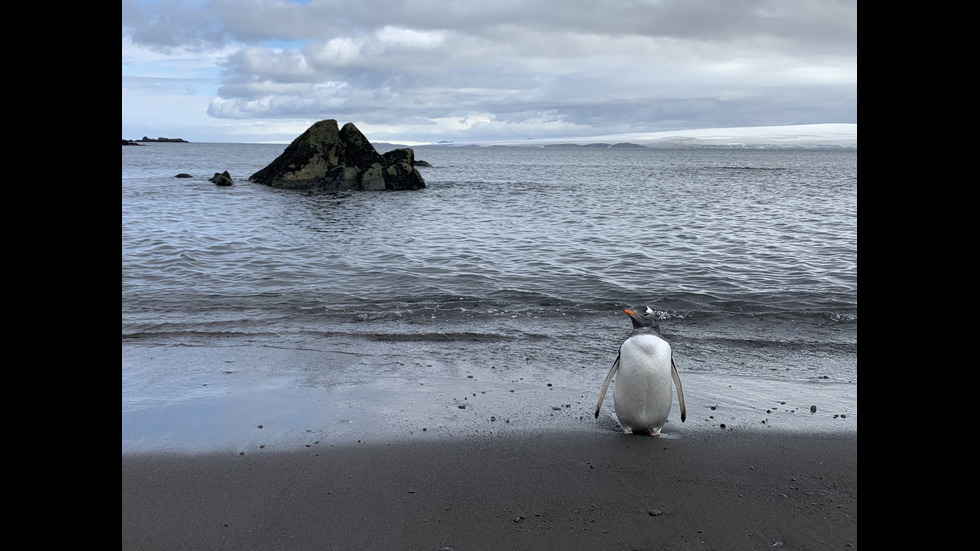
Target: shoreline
[
  {"x": 571, "y": 489},
  {"x": 282, "y": 418},
  {"x": 250, "y": 399}
]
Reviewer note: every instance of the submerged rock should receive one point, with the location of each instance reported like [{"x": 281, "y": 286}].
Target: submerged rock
[{"x": 328, "y": 158}]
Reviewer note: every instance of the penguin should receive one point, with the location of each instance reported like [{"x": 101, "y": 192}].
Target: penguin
[{"x": 645, "y": 364}]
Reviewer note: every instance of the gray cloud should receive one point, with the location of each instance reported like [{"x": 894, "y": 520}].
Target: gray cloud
[{"x": 513, "y": 66}]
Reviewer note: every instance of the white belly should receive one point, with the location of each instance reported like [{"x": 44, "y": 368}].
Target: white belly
[{"x": 642, "y": 393}]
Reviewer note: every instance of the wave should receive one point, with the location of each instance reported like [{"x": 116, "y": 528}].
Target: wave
[{"x": 503, "y": 315}]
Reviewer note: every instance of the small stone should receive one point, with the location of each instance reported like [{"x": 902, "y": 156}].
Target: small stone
[
  {"x": 656, "y": 513},
  {"x": 813, "y": 409},
  {"x": 461, "y": 406}
]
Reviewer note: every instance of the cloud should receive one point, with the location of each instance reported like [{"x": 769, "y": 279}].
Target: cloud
[{"x": 418, "y": 67}]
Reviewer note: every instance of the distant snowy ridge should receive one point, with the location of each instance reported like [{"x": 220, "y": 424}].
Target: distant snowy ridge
[{"x": 836, "y": 135}]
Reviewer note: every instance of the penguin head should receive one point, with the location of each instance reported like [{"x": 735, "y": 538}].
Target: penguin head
[{"x": 643, "y": 317}]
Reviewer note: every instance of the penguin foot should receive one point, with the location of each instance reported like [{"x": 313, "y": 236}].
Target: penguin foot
[{"x": 651, "y": 432}]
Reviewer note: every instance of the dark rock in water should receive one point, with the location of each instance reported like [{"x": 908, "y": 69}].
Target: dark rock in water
[
  {"x": 184, "y": 175},
  {"x": 420, "y": 163},
  {"x": 130, "y": 142},
  {"x": 163, "y": 140},
  {"x": 325, "y": 158},
  {"x": 223, "y": 179},
  {"x": 399, "y": 170}
]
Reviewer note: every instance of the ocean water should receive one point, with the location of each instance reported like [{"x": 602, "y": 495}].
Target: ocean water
[{"x": 512, "y": 259}]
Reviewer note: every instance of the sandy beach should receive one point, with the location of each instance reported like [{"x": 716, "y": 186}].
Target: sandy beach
[
  {"x": 476, "y": 460},
  {"x": 735, "y": 489}
]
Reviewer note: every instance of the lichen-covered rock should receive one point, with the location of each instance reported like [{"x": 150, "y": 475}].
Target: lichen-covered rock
[
  {"x": 328, "y": 158},
  {"x": 222, "y": 179},
  {"x": 400, "y": 172}
]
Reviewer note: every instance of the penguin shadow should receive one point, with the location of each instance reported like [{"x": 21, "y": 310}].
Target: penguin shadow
[{"x": 608, "y": 422}]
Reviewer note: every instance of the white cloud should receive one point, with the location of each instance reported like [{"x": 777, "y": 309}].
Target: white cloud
[{"x": 395, "y": 36}]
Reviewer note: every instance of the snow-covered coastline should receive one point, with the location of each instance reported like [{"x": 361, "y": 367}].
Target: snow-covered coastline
[{"x": 836, "y": 135}]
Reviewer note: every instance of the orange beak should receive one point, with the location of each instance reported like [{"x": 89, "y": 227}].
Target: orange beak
[{"x": 629, "y": 312}]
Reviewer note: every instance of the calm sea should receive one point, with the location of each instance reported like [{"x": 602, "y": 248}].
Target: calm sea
[{"x": 511, "y": 254}]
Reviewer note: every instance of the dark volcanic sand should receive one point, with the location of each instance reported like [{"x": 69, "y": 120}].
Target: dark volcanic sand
[{"x": 580, "y": 489}]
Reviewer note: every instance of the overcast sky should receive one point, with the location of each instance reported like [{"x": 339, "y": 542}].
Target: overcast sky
[{"x": 416, "y": 71}]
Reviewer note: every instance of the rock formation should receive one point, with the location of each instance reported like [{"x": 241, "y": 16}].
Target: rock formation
[
  {"x": 399, "y": 170},
  {"x": 325, "y": 158},
  {"x": 222, "y": 179}
]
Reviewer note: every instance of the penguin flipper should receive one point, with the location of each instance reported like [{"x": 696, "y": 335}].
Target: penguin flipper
[
  {"x": 605, "y": 385},
  {"x": 680, "y": 389}
]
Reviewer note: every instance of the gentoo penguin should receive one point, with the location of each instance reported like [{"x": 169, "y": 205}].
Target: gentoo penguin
[{"x": 645, "y": 364}]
